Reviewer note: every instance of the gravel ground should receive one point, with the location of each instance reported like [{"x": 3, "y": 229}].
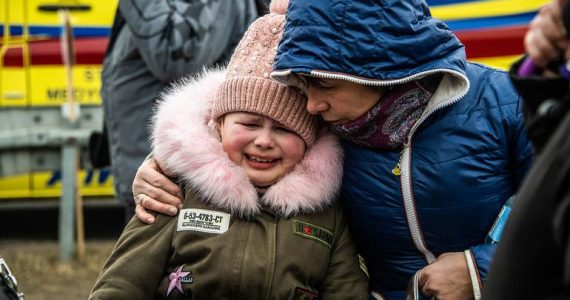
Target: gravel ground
[{"x": 40, "y": 274}]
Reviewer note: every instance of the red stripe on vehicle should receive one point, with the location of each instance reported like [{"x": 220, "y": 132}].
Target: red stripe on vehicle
[
  {"x": 493, "y": 42},
  {"x": 88, "y": 51},
  {"x": 478, "y": 44}
]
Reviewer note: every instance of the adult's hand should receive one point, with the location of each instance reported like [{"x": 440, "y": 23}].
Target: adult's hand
[
  {"x": 447, "y": 278},
  {"x": 546, "y": 37},
  {"x": 155, "y": 192}
]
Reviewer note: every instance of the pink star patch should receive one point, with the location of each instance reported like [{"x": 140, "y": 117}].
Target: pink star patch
[{"x": 175, "y": 278}]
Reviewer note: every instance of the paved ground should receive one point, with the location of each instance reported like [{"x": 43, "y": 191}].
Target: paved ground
[
  {"x": 28, "y": 243},
  {"x": 42, "y": 276}
]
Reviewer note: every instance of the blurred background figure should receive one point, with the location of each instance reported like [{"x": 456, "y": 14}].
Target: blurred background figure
[
  {"x": 533, "y": 258},
  {"x": 152, "y": 44}
]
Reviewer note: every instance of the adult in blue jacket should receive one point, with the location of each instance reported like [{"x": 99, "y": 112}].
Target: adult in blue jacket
[{"x": 434, "y": 145}]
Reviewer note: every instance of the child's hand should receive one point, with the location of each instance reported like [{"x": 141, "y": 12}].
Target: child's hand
[{"x": 153, "y": 191}]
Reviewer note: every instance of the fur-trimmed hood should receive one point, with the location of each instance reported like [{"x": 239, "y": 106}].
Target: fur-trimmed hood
[{"x": 186, "y": 144}]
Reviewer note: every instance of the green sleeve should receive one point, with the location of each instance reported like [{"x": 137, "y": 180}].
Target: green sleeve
[{"x": 136, "y": 265}]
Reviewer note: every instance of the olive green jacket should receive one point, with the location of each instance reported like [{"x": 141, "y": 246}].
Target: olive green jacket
[
  {"x": 230, "y": 242},
  {"x": 303, "y": 257}
]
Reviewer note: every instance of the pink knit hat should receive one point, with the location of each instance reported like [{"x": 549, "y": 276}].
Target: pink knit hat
[{"x": 248, "y": 88}]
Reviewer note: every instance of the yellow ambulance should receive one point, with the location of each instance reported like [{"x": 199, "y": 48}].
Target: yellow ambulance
[{"x": 33, "y": 89}]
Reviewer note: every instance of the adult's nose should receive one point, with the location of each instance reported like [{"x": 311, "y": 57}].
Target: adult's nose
[{"x": 316, "y": 104}]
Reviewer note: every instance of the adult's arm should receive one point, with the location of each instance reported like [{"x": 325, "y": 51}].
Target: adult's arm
[
  {"x": 461, "y": 275},
  {"x": 154, "y": 191},
  {"x": 478, "y": 257},
  {"x": 177, "y": 37},
  {"x": 136, "y": 265}
]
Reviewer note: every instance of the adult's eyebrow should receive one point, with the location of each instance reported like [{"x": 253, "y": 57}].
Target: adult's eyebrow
[{"x": 315, "y": 80}]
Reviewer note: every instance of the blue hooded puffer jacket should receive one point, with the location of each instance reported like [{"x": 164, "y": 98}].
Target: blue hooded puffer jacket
[{"x": 462, "y": 160}]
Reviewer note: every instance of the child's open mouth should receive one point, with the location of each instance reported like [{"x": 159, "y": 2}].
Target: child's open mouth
[{"x": 261, "y": 162}]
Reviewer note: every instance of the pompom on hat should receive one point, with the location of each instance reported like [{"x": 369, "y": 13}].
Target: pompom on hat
[{"x": 248, "y": 87}]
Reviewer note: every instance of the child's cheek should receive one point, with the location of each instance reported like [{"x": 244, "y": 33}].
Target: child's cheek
[
  {"x": 236, "y": 141},
  {"x": 293, "y": 150},
  {"x": 241, "y": 137}
]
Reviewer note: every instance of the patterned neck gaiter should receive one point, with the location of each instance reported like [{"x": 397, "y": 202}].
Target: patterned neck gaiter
[{"x": 386, "y": 125}]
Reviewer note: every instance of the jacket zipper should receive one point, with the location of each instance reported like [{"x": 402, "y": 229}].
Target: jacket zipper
[
  {"x": 403, "y": 169},
  {"x": 409, "y": 204},
  {"x": 372, "y": 82}
]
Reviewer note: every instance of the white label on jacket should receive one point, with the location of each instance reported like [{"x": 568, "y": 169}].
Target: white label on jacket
[{"x": 202, "y": 220}]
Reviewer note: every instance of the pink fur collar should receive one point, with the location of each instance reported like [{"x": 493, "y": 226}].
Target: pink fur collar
[{"x": 185, "y": 143}]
